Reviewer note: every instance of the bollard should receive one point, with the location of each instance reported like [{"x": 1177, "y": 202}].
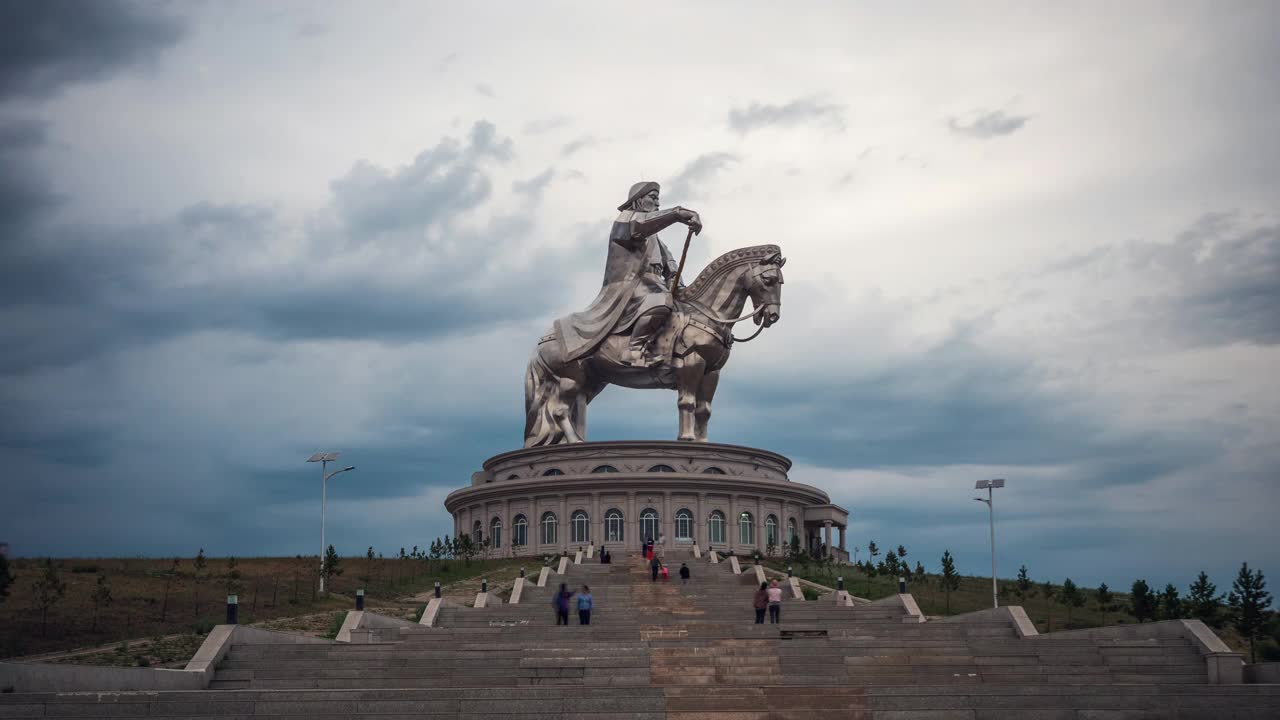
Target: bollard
[
  {"x": 522, "y": 571},
  {"x": 484, "y": 584},
  {"x": 840, "y": 583},
  {"x": 437, "y": 588},
  {"x": 788, "y": 571},
  {"x": 233, "y": 607},
  {"x": 902, "y": 586},
  {"x": 360, "y": 599}
]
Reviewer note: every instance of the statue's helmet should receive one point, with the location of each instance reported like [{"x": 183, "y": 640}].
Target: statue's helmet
[{"x": 638, "y": 191}]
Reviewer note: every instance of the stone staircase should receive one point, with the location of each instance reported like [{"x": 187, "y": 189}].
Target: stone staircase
[{"x": 667, "y": 650}]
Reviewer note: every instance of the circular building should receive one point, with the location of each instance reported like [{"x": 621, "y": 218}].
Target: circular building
[{"x": 617, "y": 495}]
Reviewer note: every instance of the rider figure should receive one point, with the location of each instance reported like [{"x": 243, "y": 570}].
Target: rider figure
[{"x": 636, "y": 294}]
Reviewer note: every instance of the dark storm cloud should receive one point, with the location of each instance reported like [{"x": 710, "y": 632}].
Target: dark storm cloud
[
  {"x": 988, "y": 125},
  {"x": 47, "y": 45},
  {"x": 692, "y": 179},
  {"x": 797, "y": 112},
  {"x": 25, "y": 191}
]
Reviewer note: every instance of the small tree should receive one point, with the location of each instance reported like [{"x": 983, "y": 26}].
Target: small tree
[
  {"x": 6, "y": 578},
  {"x": 1071, "y": 597},
  {"x": 1048, "y": 592},
  {"x": 872, "y": 551},
  {"x": 1142, "y": 601},
  {"x": 793, "y": 548},
  {"x": 231, "y": 583},
  {"x": 332, "y": 565},
  {"x": 1248, "y": 602},
  {"x": 197, "y": 578},
  {"x": 1106, "y": 601},
  {"x": 1169, "y": 604},
  {"x": 1023, "y": 587},
  {"x": 47, "y": 591},
  {"x": 891, "y": 563},
  {"x": 1203, "y": 600},
  {"x": 920, "y": 572},
  {"x": 950, "y": 579},
  {"x": 367, "y": 578},
  {"x": 101, "y": 596}
]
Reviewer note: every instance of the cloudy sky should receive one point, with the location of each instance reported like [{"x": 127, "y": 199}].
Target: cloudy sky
[{"x": 1024, "y": 241}]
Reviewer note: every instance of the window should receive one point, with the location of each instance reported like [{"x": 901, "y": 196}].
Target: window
[
  {"x": 746, "y": 529},
  {"x": 548, "y": 528},
  {"x": 581, "y": 527},
  {"x": 613, "y": 526},
  {"x": 553, "y": 471},
  {"x": 649, "y": 524},
  {"x": 792, "y": 533},
  {"x": 715, "y": 527},
  {"x": 662, "y": 468},
  {"x": 684, "y": 525},
  {"x": 495, "y": 532},
  {"x": 520, "y": 531},
  {"x": 477, "y": 532},
  {"x": 604, "y": 469},
  {"x": 513, "y": 477},
  {"x": 771, "y": 531},
  {"x": 713, "y": 471}
]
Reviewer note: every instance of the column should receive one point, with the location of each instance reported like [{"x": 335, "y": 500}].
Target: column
[
  {"x": 597, "y": 522},
  {"x": 562, "y": 523},
  {"x": 759, "y": 524},
  {"x": 731, "y": 532},
  {"x": 843, "y": 528},
  {"x": 700, "y": 522},
  {"x": 631, "y": 524},
  {"x": 826, "y": 534},
  {"x": 506, "y": 529},
  {"x": 668, "y": 527}
]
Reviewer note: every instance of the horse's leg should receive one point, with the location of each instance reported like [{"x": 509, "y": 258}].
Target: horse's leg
[
  {"x": 569, "y": 414},
  {"x": 689, "y": 374},
  {"x": 702, "y": 413}
]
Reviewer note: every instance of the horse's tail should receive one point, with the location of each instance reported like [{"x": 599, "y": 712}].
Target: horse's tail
[{"x": 541, "y": 395}]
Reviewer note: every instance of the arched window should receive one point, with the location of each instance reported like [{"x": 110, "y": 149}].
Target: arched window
[
  {"x": 613, "y": 526},
  {"x": 662, "y": 468},
  {"x": 684, "y": 524},
  {"x": 495, "y": 532},
  {"x": 604, "y": 469},
  {"x": 548, "y": 528},
  {"x": 513, "y": 477},
  {"x": 746, "y": 529},
  {"x": 520, "y": 531},
  {"x": 477, "y": 532},
  {"x": 580, "y": 526},
  {"x": 713, "y": 471},
  {"x": 649, "y": 524},
  {"x": 771, "y": 531},
  {"x": 552, "y": 471},
  {"x": 715, "y": 527},
  {"x": 792, "y": 532}
]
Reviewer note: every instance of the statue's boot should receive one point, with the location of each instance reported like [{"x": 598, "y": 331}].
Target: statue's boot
[{"x": 646, "y": 329}]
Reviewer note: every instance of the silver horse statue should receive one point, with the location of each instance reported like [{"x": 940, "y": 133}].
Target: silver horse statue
[{"x": 691, "y": 350}]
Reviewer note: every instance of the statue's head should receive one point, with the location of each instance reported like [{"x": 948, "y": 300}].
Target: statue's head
[{"x": 643, "y": 197}]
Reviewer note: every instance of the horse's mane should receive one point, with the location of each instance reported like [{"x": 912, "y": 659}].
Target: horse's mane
[{"x": 709, "y": 276}]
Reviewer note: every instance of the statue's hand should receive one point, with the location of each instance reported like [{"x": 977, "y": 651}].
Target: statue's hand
[{"x": 692, "y": 219}]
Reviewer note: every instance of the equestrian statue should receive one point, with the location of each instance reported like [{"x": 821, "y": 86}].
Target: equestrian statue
[{"x": 645, "y": 329}]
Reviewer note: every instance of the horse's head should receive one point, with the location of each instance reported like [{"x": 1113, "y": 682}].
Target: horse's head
[{"x": 764, "y": 284}]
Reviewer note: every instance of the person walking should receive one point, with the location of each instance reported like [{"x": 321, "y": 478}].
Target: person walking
[
  {"x": 585, "y": 604},
  {"x": 561, "y": 603},
  {"x": 653, "y": 568},
  {"x": 775, "y": 602},
  {"x": 684, "y": 573},
  {"x": 761, "y": 601}
]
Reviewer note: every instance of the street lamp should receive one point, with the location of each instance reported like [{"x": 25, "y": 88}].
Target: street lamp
[
  {"x": 324, "y": 458},
  {"x": 990, "y": 485}
]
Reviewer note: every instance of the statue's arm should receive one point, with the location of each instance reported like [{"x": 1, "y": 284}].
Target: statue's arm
[{"x": 631, "y": 228}]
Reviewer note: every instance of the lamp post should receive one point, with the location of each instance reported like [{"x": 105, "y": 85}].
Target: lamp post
[
  {"x": 990, "y": 485},
  {"x": 324, "y": 458}
]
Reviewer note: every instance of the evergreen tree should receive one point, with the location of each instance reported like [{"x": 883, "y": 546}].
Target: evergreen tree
[
  {"x": 950, "y": 579},
  {"x": 920, "y": 572},
  {"x": 197, "y": 578},
  {"x": 1203, "y": 600},
  {"x": 332, "y": 565},
  {"x": 101, "y": 596},
  {"x": 6, "y": 578},
  {"x": 891, "y": 563},
  {"x": 1248, "y": 602},
  {"x": 1170, "y": 605},
  {"x": 367, "y": 579},
  {"x": 231, "y": 583},
  {"x": 1106, "y": 601},
  {"x": 1071, "y": 597},
  {"x": 1048, "y": 592},
  {"x": 1142, "y": 601},
  {"x": 872, "y": 551},
  {"x": 1023, "y": 587},
  {"x": 47, "y": 592}
]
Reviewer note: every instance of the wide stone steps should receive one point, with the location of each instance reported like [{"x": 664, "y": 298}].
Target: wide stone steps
[{"x": 919, "y": 702}]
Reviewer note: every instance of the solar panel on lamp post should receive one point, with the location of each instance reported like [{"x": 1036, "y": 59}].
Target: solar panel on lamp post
[
  {"x": 324, "y": 458},
  {"x": 989, "y": 485}
]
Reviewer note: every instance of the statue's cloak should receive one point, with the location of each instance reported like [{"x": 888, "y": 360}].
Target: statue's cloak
[{"x": 630, "y": 289}]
